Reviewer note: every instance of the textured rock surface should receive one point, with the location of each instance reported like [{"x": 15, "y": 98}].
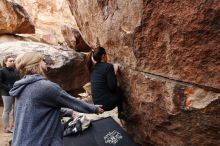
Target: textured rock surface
[
  {"x": 20, "y": 37},
  {"x": 178, "y": 40},
  {"x": 66, "y": 67},
  {"x": 74, "y": 39},
  {"x": 169, "y": 53},
  {"x": 48, "y": 17},
  {"x": 14, "y": 19},
  {"x": 8, "y": 38},
  {"x": 166, "y": 112}
]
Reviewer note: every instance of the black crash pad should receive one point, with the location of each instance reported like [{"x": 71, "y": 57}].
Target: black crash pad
[{"x": 104, "y": 132}]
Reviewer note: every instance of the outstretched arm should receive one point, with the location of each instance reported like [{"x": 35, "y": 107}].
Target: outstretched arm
[
  {"x": 57, "y": 97},
  {"x": 78, "y": 105}
]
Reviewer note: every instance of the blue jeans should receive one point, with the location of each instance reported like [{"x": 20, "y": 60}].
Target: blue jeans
[{"x": 8, "y": 102}]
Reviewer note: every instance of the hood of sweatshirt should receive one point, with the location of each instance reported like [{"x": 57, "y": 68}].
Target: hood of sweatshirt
[{"x": 21, "y": 84}]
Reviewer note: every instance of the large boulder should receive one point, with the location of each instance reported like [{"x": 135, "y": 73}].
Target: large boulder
[
  {"x": 65, "y": 66},
  {"x": 74, "y": 39},
  {"x": 48, "y": 16},
  {"x": 9, "y": 38},
  {"x": 14, "y": 19},
  {"x": 165, "y": 112},
  {"x": 170, "y": 54},
  {"x": 178, "y": 40}
]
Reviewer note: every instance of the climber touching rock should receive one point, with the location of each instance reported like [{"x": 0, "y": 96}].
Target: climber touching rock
[{"x": 105, "y": 90}]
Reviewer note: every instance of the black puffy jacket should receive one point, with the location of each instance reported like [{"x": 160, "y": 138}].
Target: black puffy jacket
[{"x": 8, "y": 76}]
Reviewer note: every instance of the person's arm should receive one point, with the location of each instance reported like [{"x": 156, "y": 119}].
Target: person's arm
[
  {"x": 2, "y": 85},
  {"x": 57, "y": 97},
  {"x": 116, "y": 68},
  {"x": 111, "y": 78},
  {"x": 66, "y": 112},
  {"x": 69, "y": 101}
]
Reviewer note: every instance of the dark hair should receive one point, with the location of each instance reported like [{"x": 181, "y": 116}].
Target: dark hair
[
  {"x": 6, "y": 59},
  {"x": 97, "y": 55}
]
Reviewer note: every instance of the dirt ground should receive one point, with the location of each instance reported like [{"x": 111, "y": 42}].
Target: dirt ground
[{"x": 4, "y": 137}]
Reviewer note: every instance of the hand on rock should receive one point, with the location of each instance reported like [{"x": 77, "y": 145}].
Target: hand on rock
[{"x": 116, "y": 68}]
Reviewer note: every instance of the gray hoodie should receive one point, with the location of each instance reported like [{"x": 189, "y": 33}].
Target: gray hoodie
[{"x": 37, "y": 111}]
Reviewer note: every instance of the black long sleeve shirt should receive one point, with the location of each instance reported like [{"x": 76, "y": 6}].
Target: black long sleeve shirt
[
  {"x": 104, "y": 85},
  {"x": 8, "y": 76}
]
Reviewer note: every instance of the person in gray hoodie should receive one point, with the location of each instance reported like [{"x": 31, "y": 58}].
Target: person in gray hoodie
[{"x": 38, "y": 105}]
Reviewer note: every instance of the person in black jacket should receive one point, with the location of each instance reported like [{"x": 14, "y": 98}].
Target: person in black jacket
[
  {"x": 105, "y": 90},
  {"x": 8, "y": 76}
]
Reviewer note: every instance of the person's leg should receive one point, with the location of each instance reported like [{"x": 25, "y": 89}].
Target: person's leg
[
  {"x": 11, "y": 125},
  {"x": 121, "y": 113},
  {"x": 120, "y": 98},
  {"x": 8, "y": 102}
]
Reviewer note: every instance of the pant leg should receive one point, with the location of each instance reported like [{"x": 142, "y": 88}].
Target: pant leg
[
  {"x": 8, "y": 102},
  {"x": 12, "y": 114},
  {"x": 121, "y": 98},
  {"x": 115, "y": 100}
]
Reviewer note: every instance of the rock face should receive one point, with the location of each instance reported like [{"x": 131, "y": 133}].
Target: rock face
[
  {"x": 65, "y": 66},
  {"x": 170, "y": 57},
  {"x": 166, "y": 112},
  {"x": 74, "y": 39},
  {"x": 14, "y": 19},
  {"x": 48, "y": 17},
  {"x": 8, "y": 38},
  {"x": 178, "y": 40}
]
